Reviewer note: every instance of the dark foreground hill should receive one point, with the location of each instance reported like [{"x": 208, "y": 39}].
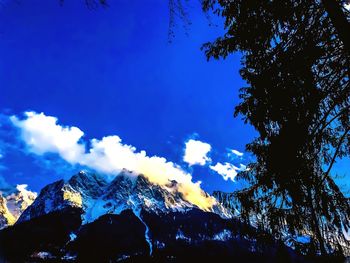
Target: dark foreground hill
[{"x": 172, "y": 237}]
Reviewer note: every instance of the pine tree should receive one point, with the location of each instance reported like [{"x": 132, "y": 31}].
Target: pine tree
[{"x": 296, "y": 61}]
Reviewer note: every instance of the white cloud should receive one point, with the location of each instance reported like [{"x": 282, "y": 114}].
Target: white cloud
[
  {"x": 227, "y": 170},
  {"x": 109, "y": 155},
  {"x": 42, "y": 134},
  {"x": 238, "y": 153},
  {"x": 196, "y": 152}
]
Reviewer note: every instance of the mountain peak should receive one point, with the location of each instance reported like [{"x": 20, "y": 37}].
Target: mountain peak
[
  {"x": 96, "y": 196},
  {"x": 13, "y": 202}
]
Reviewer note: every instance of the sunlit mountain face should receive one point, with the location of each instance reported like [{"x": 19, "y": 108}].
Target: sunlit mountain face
[{"x": 13, "y": 201}]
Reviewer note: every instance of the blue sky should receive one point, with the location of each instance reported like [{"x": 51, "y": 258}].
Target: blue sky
[{"x": 112, "y": 72}]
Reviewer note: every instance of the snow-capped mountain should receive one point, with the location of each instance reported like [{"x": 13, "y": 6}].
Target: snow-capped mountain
[
  {"x": 13, "y": 202},
  {"x": 91, "y": 219},
  {"x": 95, "y": 196}
]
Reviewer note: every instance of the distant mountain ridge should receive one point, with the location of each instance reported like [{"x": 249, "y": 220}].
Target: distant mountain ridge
[
  {"x": 95, "y": 196},
  {"x": 90, "y": 219}
]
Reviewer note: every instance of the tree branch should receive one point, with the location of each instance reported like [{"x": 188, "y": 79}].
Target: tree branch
[
  {"x": 339, "y": 21},
  {"x": 335, "y": 155}
]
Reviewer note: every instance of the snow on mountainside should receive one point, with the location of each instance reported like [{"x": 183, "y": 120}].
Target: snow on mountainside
[
  {"x": 96, "y": 197},
  {"x": 13, "y": 202}
]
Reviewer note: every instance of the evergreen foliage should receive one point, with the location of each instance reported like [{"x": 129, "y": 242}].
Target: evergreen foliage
[{"x": 296, "y": 63}]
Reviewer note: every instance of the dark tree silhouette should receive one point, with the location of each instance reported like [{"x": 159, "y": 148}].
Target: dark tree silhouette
[{"x": 296, "y": 61}]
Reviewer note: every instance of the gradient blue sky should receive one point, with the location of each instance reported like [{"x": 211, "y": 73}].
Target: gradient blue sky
[{"x": 112, "y": 71}]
